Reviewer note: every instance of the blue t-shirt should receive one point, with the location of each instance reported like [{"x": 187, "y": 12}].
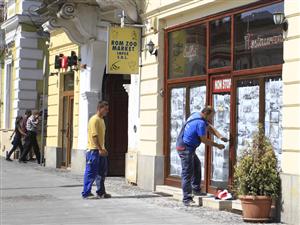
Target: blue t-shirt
[{"x": 195, "y": 129}]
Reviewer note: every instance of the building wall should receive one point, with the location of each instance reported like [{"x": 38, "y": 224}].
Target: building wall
[
  {"x": 158, "y": 16},
  {"x": 59, "y": 43},
  {"x": 291, "y": 116}
]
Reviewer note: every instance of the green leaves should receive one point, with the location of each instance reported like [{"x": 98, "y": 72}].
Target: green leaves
[{"x": 256, "y": 172}]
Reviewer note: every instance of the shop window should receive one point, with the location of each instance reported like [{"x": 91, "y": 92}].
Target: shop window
[
  {"x": 178, "y": 112},
  {"x": 247, "y": 113},
  {"x": 177, "y": 119},
  {"x": 253, "y": 46},
  {"x": 220, "y": 44},
  {"x": 187, "y": 52},
  {"x": 273, "y": 114},
  {"x": 197, "y": 103}
]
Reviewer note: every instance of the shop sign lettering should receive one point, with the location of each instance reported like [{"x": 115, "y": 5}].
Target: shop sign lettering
[
  {"x": 123, "y": 50},
  {"x": 222, "y": 85},
  {"x": 252, "y": 42}
]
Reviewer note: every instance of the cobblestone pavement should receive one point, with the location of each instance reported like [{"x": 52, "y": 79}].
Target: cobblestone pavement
[{"x": 32, "y": 194}]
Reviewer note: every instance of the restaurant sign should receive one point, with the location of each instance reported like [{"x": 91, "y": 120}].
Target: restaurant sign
[{"x": 123, "y": 50}]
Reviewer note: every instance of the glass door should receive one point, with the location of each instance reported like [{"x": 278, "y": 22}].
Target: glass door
[{"x": 219, "y": 159}]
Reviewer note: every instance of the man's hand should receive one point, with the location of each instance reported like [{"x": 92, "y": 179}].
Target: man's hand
[
  {"x": 224, "y": 139},
  {"x": 103, "y": 152},
  {"x": 220, "y": 146}
]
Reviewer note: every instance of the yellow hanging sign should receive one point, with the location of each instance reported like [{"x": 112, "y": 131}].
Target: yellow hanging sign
[{"x": 123, "y": 50}]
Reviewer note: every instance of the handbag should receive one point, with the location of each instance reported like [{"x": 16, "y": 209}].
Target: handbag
[{"x": 180, "y": 145}]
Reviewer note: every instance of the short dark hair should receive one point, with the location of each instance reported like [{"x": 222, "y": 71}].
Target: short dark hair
[
  {"x": 102, "y": 104},
  {"x": 28, "y": 112},
  {"x": 208, "y": 110}
]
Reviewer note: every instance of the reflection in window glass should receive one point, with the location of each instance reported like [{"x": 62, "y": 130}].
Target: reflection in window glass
[
  {"x": 197, "y": 103},
  {"x": 247, "y": 113},
  {"x": 254, "y": 47},
  {"x": 69, "y": 82},
  {"x": 177, "y": 119},
  {"x": 187, "y": 52},
  {"x": 273, "y": 114},
  {"x": 220, "y": 33}
]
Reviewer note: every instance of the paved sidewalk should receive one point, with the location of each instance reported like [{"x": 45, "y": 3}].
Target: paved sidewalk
[{"x": 31, "y": 194}]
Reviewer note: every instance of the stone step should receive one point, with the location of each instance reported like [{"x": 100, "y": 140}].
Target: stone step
[
  {"x": 237, "y": 205},
  {"x": 176, "y": 193},
  {"x": 217, "y": 204}
]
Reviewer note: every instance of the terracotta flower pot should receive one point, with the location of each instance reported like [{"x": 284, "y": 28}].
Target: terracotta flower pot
[{"x": 256, "y": 208}]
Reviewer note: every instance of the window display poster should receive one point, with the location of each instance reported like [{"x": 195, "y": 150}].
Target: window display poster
[
  {"x": 177, "y": 119},
  {"x": 197, "y": 103},
  {"x": 221, "y": 121},
  {"x": 247, "y": 116},
  {"x": 273, "y": 115}
]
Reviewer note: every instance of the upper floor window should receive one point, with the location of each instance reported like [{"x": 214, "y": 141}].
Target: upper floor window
[
  {"x": 187, "y": 52},
  {"x": 258, "y": 41},
  {"x": 220, "y": 33}
]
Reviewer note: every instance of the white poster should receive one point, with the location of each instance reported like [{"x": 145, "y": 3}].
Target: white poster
[
  {"x": 221, "y": 121},
  {"x": 197, "y": 103},
  {"x": 177, "y": 119},
  {"x": 273, "y": 115},
  {"x": 247, "y": 116}
]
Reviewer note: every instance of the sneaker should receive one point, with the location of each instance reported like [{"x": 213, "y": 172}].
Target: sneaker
[
  {"x": 105, "y": 195},
  {"x": 8, "y": 159},
  {"x": 189, "y": 202},
  {"x": 22, "y": 161},
  {"x": 89, "y": 196}
]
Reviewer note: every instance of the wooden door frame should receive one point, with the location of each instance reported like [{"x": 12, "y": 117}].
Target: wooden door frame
[{"x": 69, "y": 95}]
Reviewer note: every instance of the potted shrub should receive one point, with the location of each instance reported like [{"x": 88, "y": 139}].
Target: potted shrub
[{"x": 256, "y": 178}]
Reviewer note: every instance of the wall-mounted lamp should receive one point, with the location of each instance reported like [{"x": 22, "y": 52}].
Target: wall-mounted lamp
[
  {"x": 151, "y": 48},
  {"x": 279, "y": 18}
]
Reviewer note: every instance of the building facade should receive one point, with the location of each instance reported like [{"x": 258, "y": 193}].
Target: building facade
[
  {"x": 24, "y": 48},
  {"x": 229, "y": 54}
]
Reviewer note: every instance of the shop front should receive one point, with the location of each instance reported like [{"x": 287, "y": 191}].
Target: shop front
[{"x": 232, "y": 61}]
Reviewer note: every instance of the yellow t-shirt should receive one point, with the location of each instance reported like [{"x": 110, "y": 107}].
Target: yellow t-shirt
[{"x": 96, "y": 127}]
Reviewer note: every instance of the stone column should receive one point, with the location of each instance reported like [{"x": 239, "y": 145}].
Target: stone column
[{"x": 93, "y": 54}]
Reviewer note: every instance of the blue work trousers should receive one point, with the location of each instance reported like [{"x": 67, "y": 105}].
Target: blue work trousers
[
  {"x": 91, "y": 171},
  {"x": 102, "y": 173},
  {"x": 191, "y": 172}
]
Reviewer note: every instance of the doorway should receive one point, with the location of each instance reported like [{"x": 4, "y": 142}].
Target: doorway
[
  {"x": 218, "y": 163},
  {"x": 67, "y": 119},
  {"x": 116, "y": 139}
]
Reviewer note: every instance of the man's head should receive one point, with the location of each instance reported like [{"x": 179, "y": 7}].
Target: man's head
[
  {"x": 102, "y": 108},
  {"x": 208, "y": 112},
  {"x": 28, "y": 112}
]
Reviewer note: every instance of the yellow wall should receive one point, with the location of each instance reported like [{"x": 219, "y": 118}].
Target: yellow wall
[
  {"x": 291, "y": 91},
  {"x": 60, "y": 43}
]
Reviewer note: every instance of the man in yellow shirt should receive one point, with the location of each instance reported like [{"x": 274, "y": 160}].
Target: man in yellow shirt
[{"x": 96, "y": 156}]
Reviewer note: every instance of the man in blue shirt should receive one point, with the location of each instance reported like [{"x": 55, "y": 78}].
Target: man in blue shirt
[{"x": 193, "y": 135}]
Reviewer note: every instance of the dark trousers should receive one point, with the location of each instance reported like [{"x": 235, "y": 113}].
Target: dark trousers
[
  {"x": 102, "y": 174},
  {"x": 17, "y": 142},
  {"x": 191, "y": 172},
  {"x": 31, "y": 142},
  {"x": 91, "y": 171}
]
